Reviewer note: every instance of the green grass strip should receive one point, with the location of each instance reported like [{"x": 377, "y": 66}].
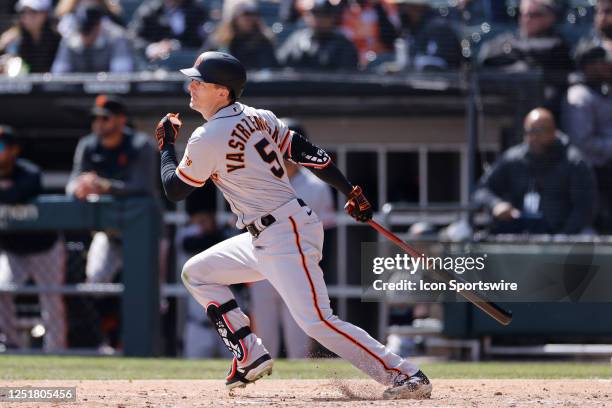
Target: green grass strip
[{"x": 117, "y": 368}]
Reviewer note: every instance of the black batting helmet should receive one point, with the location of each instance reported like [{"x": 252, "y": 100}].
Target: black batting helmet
[{"x": 219, "y": 68}]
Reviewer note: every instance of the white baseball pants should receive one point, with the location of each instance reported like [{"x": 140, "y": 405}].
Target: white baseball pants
[
  {"x": 287, "y": 254},
  {"x": 271, "y": 317}
]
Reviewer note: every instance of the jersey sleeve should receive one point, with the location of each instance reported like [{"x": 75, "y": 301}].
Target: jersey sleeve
[
  {"x": 301, "y": 151},
  {"x": 199, "y": 160}
]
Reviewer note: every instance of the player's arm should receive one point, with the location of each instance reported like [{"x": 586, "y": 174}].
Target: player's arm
[
  {"x": 304, "y": 153},
  {"x": 166, "y": 134}
]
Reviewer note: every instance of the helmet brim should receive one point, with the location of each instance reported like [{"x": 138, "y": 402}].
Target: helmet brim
[{"x": 192, "y": 73}]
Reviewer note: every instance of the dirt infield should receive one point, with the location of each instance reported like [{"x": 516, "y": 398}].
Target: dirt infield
[{"x": 328, "y": 393}]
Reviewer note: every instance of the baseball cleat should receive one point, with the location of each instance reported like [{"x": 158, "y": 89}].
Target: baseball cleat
[
  {"x": 416, "y": 386},
  {"x": 239, "y": 377}
]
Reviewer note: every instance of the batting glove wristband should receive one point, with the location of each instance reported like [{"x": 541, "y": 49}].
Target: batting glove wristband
[
  {"x": 167, "y": 129},
  {"x": 358, "y": 206}
]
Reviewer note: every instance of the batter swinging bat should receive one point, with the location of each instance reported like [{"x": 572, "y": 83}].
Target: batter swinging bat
[{"x": 501, "y": 315}]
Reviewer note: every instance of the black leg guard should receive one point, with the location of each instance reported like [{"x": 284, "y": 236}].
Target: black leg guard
[{"x": 232, "y": 338}]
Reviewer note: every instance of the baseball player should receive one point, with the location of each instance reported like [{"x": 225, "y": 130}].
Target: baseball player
[{"x": 241, "y": 149}]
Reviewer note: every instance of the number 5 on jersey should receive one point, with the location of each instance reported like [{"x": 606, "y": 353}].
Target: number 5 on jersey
[{"x": 270, "y": 157}]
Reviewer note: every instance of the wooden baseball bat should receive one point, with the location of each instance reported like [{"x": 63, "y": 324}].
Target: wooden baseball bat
[{"x": 501, "y": 315}]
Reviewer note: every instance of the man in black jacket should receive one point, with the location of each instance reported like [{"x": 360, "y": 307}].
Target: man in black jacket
[
  {"x": 36, "y": 255},
  {"x": 115, "y": 160},
  {"x": 162, "y": 26},
  {"x": 540, "y": 186},
  {"x": 429, "y": 41},
  {"x": 319, "y": 46},
  {"x": 536, "y": 45}
]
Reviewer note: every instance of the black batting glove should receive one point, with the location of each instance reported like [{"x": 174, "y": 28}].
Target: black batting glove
[
  {"x": 167, "y": 129},
  {"x": 358, "y": 206}
]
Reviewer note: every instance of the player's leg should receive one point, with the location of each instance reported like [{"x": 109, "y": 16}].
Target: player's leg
[
  {"x": 48, "y": 268},
  {"x": 104, "y": 259},
  {"x": 296, "y": 341},
  {"x": 265, "y": 311},
  {"x": 296, "y": 274},
  {"x": 12, "y": 271},
  {"x": 207, "y": 276}
]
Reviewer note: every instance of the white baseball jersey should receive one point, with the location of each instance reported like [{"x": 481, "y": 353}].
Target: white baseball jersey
[{"x": 241, "y": 150}]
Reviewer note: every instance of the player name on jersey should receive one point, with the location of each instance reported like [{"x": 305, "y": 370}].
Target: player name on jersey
[{"x": 239, "y": 137}]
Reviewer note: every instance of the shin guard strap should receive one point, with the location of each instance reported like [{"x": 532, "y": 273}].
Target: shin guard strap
[
  {"x": 227, "y": 306},
  {"x": 231, "y": 338}
]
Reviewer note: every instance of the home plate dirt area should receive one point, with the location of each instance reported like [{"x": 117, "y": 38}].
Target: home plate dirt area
[{"x": 327, "y": 393}]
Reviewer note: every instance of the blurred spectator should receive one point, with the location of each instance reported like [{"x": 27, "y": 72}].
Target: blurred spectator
[
  {"x": 243, "y": 34},
  {"x": 537, "y": 44},
  {"x": 162, "y": 26},
  {"x": 427, "y": 41},
  {"x": 372, "y": 26},
  {"x": 116, "y": 160},
  {"x": 603, "y": 23},
  {"x": 268, "y": 311},
  {"x": 587, "y": 117},
  {"x": 66, "y": 11},
  {"x": 33, "y": 38},
  {"x": 319, "y": 46},
  {"x": 540, "y": 186},
  {"x": 602, "y": 35},
  {"x": 36, "y": 255},
  {"x": 94, "y": 47}
]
